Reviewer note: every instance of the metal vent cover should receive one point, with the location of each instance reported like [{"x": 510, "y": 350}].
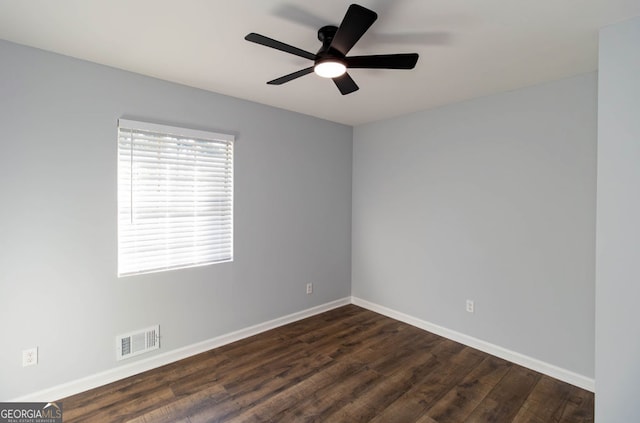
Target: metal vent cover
[{"x": 138, "y": 342}]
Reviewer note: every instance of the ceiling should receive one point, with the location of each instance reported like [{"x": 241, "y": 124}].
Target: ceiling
[{"x": 467, "y": 48}]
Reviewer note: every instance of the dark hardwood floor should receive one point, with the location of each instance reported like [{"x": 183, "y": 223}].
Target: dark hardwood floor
[{"x": 346, "y": 365}]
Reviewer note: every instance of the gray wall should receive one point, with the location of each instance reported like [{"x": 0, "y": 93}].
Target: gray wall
[
  {"x": 492, "y": 200},
  {"x": 58, "y": 284},
  {"x": 618, "y": 225}
]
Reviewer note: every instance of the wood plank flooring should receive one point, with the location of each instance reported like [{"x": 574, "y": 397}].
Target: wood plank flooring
[{"x": 346, "y": 365}]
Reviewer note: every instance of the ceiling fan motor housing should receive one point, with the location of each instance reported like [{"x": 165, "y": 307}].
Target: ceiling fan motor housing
[{"x": 325, "y": 35}]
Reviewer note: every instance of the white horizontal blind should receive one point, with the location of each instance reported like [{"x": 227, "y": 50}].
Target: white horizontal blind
[{"x": 175, "y": 197}]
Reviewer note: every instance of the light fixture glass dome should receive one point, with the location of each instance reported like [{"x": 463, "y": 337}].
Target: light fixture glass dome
[{"x": 329, "y": 68}]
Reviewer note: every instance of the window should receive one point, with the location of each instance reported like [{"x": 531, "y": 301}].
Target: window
[{"x": 175, "y": 197}]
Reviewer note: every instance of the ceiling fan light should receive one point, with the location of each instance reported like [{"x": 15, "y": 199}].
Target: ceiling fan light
[{"x": 329, "y": 69}]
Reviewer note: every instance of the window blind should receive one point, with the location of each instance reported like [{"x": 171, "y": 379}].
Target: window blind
[{"x": 175, "y": 197}]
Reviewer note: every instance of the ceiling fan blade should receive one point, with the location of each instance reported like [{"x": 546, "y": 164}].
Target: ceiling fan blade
[
  {"x": 383, "y": 61},
  {"x": 345, "y": 84},
  {"x": 291, "y": 76},
  {"x": 356, "y": 22},
  {"x": 278, "y": 45}
]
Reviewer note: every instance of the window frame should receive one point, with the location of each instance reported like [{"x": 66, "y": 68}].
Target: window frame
[{"x": 218, "y": 147}]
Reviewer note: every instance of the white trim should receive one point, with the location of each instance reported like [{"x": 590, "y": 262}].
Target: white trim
[
  {"x": 131, "y": 369},
  {"x": 127, "y": 370},
  {"x": 512, "y": 356}
]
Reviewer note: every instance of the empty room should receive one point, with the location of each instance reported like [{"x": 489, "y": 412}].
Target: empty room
[{"x": 289, "y": 211}]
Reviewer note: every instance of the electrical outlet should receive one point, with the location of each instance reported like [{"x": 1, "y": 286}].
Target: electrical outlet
[
  {"x": 470, "y": 306},
  {"x": 30, "y": 357},
  {"x": 309, "y": 288}
]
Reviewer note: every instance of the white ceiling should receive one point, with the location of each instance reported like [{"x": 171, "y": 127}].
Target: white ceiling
[{"x": 467, "y": 48}]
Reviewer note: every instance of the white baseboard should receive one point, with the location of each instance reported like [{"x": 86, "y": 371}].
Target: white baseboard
[
  {"x": 134, "y": 368},
  {"x": 512, "y": 356}
]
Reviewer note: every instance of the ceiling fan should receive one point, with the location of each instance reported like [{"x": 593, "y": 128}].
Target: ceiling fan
[{"x": 331, "y": 60}]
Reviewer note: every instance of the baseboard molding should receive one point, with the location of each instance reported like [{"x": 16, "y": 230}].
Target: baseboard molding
[
  {"x": 512, "y": 356},
  {"x": 134, "y": 368}
]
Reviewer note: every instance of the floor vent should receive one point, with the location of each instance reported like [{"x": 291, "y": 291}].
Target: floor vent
[{"x": 138, "y": 342}]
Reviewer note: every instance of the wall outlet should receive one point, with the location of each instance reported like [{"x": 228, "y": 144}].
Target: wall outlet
[
  {"x": 309, "y": 288},
  {"x": 30, "y": 357},
  {"x": 470, "y": 306}
]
